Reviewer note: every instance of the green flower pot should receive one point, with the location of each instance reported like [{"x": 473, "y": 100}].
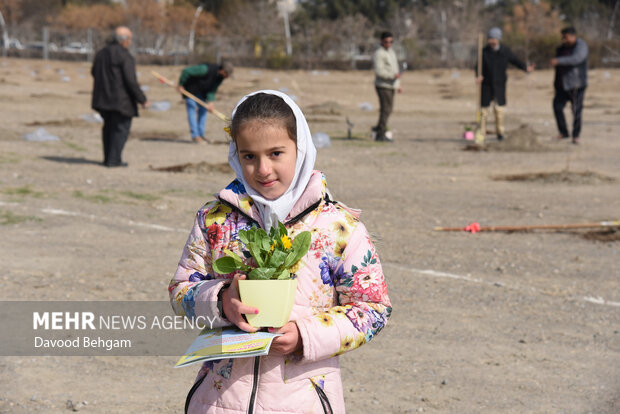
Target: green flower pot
[{"x": 273, "y": 298}]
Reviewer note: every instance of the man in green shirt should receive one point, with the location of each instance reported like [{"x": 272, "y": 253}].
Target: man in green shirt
[{"x": 202, "y": 81}]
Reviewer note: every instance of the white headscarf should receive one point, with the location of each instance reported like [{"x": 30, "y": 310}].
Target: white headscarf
[{"x": 272, "y": 210}]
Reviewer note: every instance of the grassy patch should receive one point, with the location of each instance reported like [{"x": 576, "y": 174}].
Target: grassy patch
[
  {"x": 95, "y": 198},
  {"x": 22, "y": 191},
  {"x": 449, "y": 164},
  {"x": 8, "y": 218},
  {"x": 110, "y": 196},
  {"x": 74, "y": 146},
  {"x": 140, "y": 196},
  {"x": 9, "y": 158}
]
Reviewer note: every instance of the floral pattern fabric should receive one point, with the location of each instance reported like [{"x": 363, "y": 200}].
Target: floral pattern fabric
[{"x": 342, "y": 300}]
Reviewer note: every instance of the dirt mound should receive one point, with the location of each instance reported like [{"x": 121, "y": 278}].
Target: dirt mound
[
  {"x": 62, "y": 123},
  {"x": 155, "y": 136},
  {"x": 48, "y": 95},
  {"x": 607, "y": 235},
  {"x": 326, "y": 108},
  {"x": 5, "y": 82},
  {"x": 197, "y": 168},
  {"x": 318, "y": 120},
  {"x": 565, "y": 176},
  {"x": 522, "y": 139}
]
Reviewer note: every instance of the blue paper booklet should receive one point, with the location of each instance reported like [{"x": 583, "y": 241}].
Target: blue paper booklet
[{"x": 226, "y": 343}]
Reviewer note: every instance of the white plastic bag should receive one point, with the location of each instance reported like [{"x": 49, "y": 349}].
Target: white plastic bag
[
  {"x": 321, "y": 140},
  {"x": 160, "y": 106},
  {"x": 40, "y": 135},
  {"x": 366, "y": 106},
  {"x": 94, "y": 117}
]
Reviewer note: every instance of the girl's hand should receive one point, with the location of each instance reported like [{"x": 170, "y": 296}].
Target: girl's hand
[
  {"x": 234, "y": 308},
  {"x": 289, "y": 342}
]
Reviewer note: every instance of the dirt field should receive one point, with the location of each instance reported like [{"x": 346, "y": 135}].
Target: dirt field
[{"x": 482, "y": 323}]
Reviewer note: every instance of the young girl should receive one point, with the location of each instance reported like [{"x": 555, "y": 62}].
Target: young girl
[{"x": 341, "y": 301}]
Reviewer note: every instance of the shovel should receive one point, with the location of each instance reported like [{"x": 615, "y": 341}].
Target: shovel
[
  {"x": 199, "y": 101},
  {"x": 479, "y": 133}
]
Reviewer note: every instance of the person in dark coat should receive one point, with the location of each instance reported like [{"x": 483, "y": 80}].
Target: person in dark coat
[
  {"x": 571, "y": 80},
  {"x": 495, "y": 60},
  {"x": 201, "y": 81},
  {"x": 116, "y": 93}
]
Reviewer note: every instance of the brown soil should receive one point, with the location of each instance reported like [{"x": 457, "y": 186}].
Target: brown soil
[
  {"x": 51, "y": 96},
  {"x": 607, "y": 235},
  {"x": 155, "y": 135},
  {"x": 522, "y": 139},
  {"x": 71, "y": 123},
  {"x": 325, "y": 108},
  {"x": 567, "y": 177},
  {"x": 197, "y": 168}
]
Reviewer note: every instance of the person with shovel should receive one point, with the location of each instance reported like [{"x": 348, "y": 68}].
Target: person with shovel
[
  {"x": 495, "y": 60},
  {"x": 202, "y": 81},
  {"x": 571, "y": 80}
]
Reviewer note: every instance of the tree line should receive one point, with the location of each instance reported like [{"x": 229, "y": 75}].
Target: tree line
[{"x": 324, "y": 33}]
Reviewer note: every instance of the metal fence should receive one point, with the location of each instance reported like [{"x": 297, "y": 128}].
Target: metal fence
[{"x": 270, "y": 51}]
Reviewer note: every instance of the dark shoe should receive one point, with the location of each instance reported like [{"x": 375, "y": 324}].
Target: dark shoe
[
  {"x": 500, "y": 137},
  {"x": 122, "y": 164}
]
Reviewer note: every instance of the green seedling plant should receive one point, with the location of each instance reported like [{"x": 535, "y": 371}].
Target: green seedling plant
[{"x": 274, "y": 254}]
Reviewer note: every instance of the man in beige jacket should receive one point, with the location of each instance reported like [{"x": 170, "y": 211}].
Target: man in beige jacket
[{"x": 387, "y": 80}]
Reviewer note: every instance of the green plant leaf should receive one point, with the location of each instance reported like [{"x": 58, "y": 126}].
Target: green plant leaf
[
  {"x": 261, "y": 234},
  {"x": 301, "y": 244},
  {"x": 288, "y": 262},
  {"x": 234, "y": 255},
  {"x": 261, "y": 273},
  {"x": 243, "y": 237},
  {"x": 256, "y": 253},
  {"x": 284, "y": 275},
  {"x": 225, "y": 265},
  {"x": 277, "y": 258},
  {"x": 282, "y": 230},
  {"x": 266, "y": 244}
]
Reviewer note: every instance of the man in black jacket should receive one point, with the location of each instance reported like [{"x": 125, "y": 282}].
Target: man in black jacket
[
  {"x": 116, "y": 93},
  {"x": 495, "y": 59},
  {"x": 571, "y": 80},
  {"x": 201, "y": 81}
]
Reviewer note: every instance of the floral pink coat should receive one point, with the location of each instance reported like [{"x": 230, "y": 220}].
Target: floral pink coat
[{"x": 341, "y": 304}]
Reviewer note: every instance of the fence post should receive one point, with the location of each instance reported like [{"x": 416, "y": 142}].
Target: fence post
[
  {"x": 46, "y": 38},
  {"x": 5, "y": 36},
  {"x": 190, "y": 45},
  {"x": 444, "y": 38},
  {"x": 89, "y": 41},
  {"x": 353, "y": 53},
  {"x": 218, "y": 52}
]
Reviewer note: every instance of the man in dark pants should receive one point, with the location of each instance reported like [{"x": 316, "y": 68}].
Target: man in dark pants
[
  {"x": 495, "y": 59},
  {"x": 387, "y": 80},
  {"x": 201, "y": 81},
  {"x": 116, "y": 93},
  {"x": 571, "y": 80}
]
